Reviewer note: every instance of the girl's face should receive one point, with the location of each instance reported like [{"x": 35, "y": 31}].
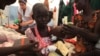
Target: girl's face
[
  {"x": 41, "y": 14},
  {"x": 22, "y": 5},
  {"x": 42, "y": 19}
]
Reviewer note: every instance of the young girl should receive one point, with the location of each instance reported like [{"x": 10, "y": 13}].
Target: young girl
[{"x": 40, "y": 32}]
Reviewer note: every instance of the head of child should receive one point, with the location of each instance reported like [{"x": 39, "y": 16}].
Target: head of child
[
  {"x": 40, "y": 14},
  {"x": 22, "y": 4}
]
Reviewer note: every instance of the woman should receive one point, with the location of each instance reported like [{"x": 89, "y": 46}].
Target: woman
[
  {"x": 24, "y": 16},
  {"x": 90, "y": 37}
]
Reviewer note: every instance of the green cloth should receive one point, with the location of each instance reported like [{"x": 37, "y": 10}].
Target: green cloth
[
  {"x": 16, "y": 21},
  {"x": 61, "y": 6},
  {"x": 68, "y": 10},
  {"x": 95, "y": 4},
  {"x": 65, "y": 11}
]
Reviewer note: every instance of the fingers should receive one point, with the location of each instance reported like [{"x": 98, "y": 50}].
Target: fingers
[{"x": 68, "y": 29}]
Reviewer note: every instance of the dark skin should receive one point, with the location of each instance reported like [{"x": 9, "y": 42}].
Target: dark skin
[
  {"x": 57, "y": 32},
  {"x": 87, "y": 13},
  {"x": 41, "y": 16},
  {"x": 91, "y": 37}
]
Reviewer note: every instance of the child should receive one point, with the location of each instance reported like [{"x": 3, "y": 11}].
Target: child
[{"x": 40, "y": 32}]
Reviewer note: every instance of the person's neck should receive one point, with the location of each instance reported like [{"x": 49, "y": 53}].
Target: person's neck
[{"x": 40, "y": 28}]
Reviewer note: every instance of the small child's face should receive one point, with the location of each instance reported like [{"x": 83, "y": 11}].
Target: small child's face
[
  {"x": 41, "y": 14},
  {"x": 43, "y": 19}
]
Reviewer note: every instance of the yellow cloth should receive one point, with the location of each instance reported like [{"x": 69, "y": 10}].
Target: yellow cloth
[
  {"x": 53, "y": 54},
  {"x": 60, "y": 46}
]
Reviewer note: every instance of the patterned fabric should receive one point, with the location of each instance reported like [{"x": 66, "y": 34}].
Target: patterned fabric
[{"x": 43, "y": 41}]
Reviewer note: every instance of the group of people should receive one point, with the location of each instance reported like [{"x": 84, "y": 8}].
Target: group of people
[{"x": 48, "y": 41}]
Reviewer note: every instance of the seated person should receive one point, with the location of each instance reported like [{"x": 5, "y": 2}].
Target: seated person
[
  {"x": 24, "y": 17},
  {"x": 40, "y": 32}
]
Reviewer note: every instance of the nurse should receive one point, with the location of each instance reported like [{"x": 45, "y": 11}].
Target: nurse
[{"x": 24, "y": 16}]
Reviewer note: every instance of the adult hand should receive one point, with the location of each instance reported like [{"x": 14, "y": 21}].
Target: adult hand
[{"x": 71, "y": 29}]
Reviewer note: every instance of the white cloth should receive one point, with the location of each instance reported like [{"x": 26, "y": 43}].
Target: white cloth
[
  {"x": 52, "y": 48},
  {"x": 51, "y": 23}
]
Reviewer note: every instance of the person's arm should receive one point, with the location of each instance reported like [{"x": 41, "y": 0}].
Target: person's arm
[
  {"x": 30, "y": 21},
  {"x": 26, "y": 22},
  {"x": 12, "y": 50},
  {"x": 84, "y": 33}
]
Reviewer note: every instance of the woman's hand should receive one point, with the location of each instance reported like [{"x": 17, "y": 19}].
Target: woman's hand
[
  {"x": 12, "y": 26},
  {"x": 71, "y": 29},
  {"x": 26, "y": 23}
]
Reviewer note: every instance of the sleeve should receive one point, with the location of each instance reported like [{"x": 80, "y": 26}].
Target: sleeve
[{"x": 19, "y": 11}]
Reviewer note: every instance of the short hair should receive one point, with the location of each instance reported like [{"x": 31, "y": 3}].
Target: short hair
[{"x": 40, "y": 9}]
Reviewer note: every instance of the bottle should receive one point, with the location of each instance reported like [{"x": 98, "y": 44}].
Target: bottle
[{"x": 65, "y": 20}]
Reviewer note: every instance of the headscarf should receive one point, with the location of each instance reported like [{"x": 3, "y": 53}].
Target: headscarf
[{"x": 23, "y": 1}]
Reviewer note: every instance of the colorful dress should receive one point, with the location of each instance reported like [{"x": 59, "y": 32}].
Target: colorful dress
[{"x": 43, "y": 41}]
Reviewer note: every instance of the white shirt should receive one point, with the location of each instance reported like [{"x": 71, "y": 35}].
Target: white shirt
[{"x": 26, "y": 16}]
